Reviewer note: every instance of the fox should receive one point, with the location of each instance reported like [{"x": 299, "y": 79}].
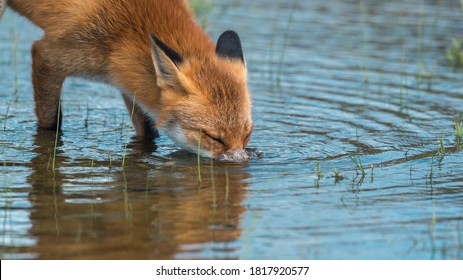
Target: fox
[{"x": 172, "y": 77}]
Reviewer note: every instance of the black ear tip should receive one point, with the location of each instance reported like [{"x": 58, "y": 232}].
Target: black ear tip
[
  {"x": 173, "y": 55},
  {"x": 154, "y": 38},
  {"x": 229, "y": 45},
  {"x": 230, "y": 35}
]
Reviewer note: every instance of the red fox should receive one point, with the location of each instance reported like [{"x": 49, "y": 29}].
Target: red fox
[{"x": 171, "y": 75}]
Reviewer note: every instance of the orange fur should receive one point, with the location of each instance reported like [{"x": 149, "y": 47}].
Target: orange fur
[{"x": 204, "y": 97}]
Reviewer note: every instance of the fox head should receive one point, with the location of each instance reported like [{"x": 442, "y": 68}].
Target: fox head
[{"x": 204, "y": 104}]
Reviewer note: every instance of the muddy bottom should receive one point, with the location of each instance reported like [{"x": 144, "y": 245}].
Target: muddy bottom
[{"x": 355, "y": 153}]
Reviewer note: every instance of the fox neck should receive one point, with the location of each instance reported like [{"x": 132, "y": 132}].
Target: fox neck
[{"x": 131, "y": 68}]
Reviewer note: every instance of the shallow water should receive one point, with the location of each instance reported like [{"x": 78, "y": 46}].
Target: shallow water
[{"x": 333, "y": 82}]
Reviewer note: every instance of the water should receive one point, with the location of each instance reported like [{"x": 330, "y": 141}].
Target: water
[{"x": 333, "y": 82}]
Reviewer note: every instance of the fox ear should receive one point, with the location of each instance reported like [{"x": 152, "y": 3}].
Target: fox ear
[
  {"x": 166, "y": 62},
  {"x": 229, "y": 46}
]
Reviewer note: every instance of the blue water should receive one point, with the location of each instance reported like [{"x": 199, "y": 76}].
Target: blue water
[{"x": 332, "y": 82}]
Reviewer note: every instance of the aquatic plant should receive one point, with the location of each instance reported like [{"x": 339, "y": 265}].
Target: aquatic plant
[
  {"x": 358, "y": 163},
  {"x": 214, "y": 195},
  {"x": 419, "y": 39},
  {"x": 403, "y": 81},
  {"x": 424, "y": 76},
  {"x": 364, "y": 67},
  {"x": 372, "y": 168},
  {"x": 319, "y": 173},
  {"x": 16, "y": 75},
  {"x": 109, "y": 159},
  {"x": 285, "y": 40},
  {"x": 455, "y": 54},
  {"x": 127, "y": 135},
  {"x": 337, "y": 175},
  {"x": 127, "y": 206},
  {"x": 458, "y": 133},
  {"x": 15, "y": 64},
  {"x": 227, "y": 186},
  {"x": 440, "y": 150},
  {"x": 199, "y": 157},
  {"x": 56, "y": 137},
  {"x": 431, "y": 172}
]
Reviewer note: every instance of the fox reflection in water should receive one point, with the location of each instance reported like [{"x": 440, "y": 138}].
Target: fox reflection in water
[{"x": 146, "y": 211}]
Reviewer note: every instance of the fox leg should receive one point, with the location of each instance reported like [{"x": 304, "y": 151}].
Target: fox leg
[
  {"x": 47, "y": 81},
  {"x": 144, "y": 125}
]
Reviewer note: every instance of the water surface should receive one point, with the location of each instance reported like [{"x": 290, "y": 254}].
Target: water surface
[{"x": 332, "y": 82}]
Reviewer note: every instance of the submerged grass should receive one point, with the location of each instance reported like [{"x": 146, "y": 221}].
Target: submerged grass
[
  {"x": 364, "y": 68},
  {"x": 402, "y": 80},
  {"x": 419, "y": 39},
  {"x": 199, "y": 157},
  {"x": 15, "y": 63},
  {"x": 6, "y": 198},
  {"x": 124, "y": 155},
  {"x": 109, "y": 159},
  {"x": 58, "y": 123},
  {"x": 430, "y": 175},
  {"x": 424, "y": 75},
  {"x": 285, "y": 40},
  {"x": 227, "y": 186},
  {"x": 440, "y": 150},
  {"x": 127, "y": 206},
  {"x": 214, "y": 194},
  {"x": 319, "y": 173},
  {"x": 16, "y": 74},
  {"x": 358, "y": 164},
  {"x": 337, "y": 176},
  {"x": 454, "y": 54},
  {"x": 458, "y": 134}
]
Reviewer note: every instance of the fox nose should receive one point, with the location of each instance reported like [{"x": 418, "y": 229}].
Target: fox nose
[{"x": 234, "y": 155}]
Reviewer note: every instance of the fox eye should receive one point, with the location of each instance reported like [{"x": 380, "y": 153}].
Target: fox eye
[{"x": 216, "y": 139}]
